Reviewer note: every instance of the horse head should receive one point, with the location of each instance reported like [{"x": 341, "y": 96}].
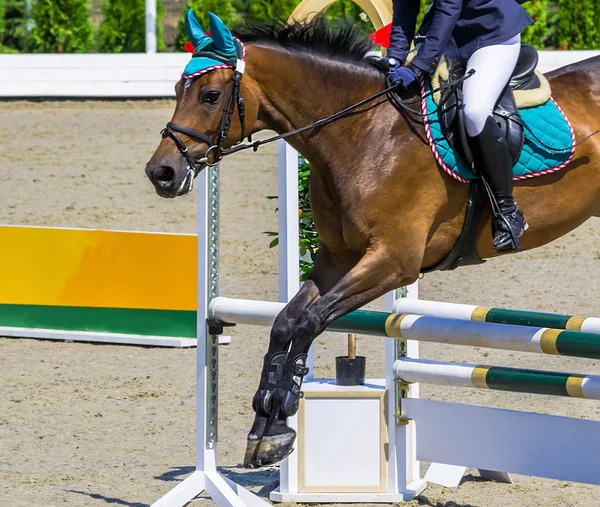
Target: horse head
[{"x": 210, "y": 114}]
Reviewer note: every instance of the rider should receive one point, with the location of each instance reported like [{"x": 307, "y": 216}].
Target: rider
[{"x": 487, "y": 35}]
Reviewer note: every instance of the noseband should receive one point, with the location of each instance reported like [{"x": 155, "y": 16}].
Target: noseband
[{"x": 215, "y": 146}]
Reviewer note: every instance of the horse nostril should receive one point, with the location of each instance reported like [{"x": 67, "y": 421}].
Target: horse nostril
[{"x": 165, "y": 174}]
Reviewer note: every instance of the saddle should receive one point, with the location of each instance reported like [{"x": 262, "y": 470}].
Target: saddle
[
  {"x": 450, "y": 100},
  {"x": 527, "y": 88}
]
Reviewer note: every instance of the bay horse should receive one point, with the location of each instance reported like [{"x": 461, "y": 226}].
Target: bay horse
[{"x": 383, "y": 208}]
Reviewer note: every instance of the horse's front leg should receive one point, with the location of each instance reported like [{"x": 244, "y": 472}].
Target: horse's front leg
[
  {"x": 326, "y": 272},
  {"x": 374, "y": 275}
]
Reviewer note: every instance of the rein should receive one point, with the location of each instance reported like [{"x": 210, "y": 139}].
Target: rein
[
  {"x": 389, "y": 91},
  {"x": 236, "y": 100}
]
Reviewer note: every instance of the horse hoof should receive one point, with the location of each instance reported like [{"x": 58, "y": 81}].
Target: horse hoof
[
  {"x": 256, "y": 433},
  {"x": 251, "y": 449},
  {"x": 274, "y": 448}
]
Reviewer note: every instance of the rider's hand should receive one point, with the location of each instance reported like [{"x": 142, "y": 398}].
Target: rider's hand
[{"x": 402, "y": 76}]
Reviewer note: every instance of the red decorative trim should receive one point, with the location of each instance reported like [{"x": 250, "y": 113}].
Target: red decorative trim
[
  {"x": 449, "y": 171},
  {"x": 430, "y": 139},
  {"x": 243, "y": 48},
  {"x": 206, "y": 71}
]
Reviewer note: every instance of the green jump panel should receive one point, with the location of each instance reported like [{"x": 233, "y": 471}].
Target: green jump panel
[{"x": 172, "y": 323}]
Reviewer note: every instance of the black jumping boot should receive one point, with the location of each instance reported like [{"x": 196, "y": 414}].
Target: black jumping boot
[
  {"x": 492, "y": 158},
  {"x": 272, "y": 372},
  {"x": 277, "y": 441}
]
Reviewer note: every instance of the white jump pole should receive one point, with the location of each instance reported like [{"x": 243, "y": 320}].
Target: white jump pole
[
  {"x": 473, "y": 375},
  {"x": 151, "y": 26},
  {"x": 289, "y": 229},
  {"x": 289, "y": 267}
]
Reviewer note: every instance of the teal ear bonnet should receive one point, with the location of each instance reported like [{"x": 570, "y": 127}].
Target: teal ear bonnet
[{"x": 221, "y": 43}]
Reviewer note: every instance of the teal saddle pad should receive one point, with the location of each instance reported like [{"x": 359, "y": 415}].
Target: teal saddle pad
[{"x": 549, "y": 141}]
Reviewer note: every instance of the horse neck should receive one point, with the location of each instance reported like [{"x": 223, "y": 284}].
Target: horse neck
[{"x": 297, "y": 89}]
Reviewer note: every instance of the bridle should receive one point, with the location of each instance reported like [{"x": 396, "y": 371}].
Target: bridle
[{"x": 215, "y": 146}]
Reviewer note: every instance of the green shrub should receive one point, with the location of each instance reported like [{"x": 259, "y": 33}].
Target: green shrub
[
  {"x": 2, "y": 19},
  {"x": 61, "y": 26},
  {"x": 344, "y": 9},
  {"x": 578, "y": 24},
  {"x": 537, "y": 34},
  {"x": 263, "y": 11},
  {"x": 222, "y": 8},
  {"x": 12, "y": 32},
  {"x": 123, "y": 29}
]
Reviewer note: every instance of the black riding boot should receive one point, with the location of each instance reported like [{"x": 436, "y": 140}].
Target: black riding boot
[{"x": 493, "y": 159}]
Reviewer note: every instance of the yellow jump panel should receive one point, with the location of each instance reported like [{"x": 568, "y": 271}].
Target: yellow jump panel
[{"x": 96, "y": 268}]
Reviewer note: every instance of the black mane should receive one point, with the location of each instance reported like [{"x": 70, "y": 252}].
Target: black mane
[{"x": 340, "y": 40}]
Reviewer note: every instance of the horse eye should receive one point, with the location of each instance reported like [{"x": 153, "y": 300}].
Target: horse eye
[{"x": 211, "y": 97}]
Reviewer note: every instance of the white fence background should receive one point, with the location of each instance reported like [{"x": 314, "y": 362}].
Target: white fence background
[{"x": 133, "y": 75}]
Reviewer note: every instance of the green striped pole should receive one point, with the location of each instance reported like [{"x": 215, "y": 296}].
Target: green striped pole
[
  {"x": 497, "y": 378},
  {"x": 498, "y": 315},
  {"x": 427, "y": 329},
  {"x": 471, "y": 333},
  {"x": 492, "y": 335}
]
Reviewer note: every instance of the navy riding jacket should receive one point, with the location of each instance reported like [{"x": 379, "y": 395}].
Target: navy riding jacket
[{"x": 472, "y": 24}]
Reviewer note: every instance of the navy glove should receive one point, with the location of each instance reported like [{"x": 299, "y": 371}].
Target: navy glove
[{"x": 402, "y": 76}]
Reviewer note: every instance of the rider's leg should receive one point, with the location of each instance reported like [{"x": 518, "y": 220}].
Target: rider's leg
[{"x": 493, "y": 67}]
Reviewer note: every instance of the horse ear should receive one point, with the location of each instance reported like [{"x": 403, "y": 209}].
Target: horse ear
[
  {"x": 221, "y": 35},
  {"x": 193, "y": 29}
]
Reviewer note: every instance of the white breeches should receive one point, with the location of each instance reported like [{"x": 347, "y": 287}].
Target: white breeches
[{"x": 493, "y": 66}]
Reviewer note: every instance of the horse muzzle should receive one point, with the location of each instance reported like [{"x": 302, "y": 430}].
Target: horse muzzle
[{"x": 170, "y": 182}]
